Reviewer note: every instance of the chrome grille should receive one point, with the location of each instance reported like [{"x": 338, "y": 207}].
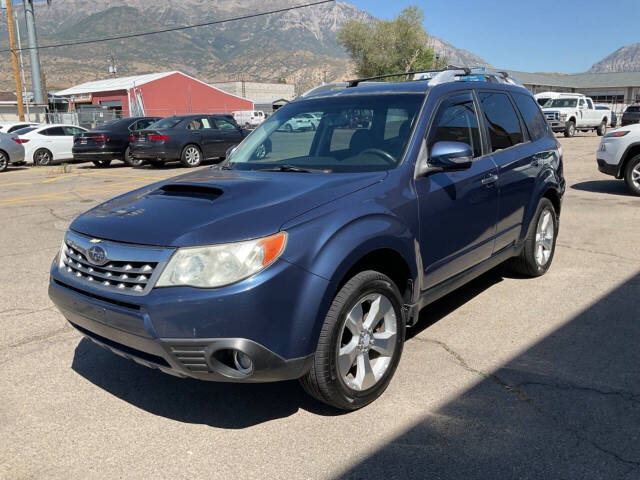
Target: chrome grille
[
  {"x": 191, "y": 356},
  {"x": 125, "y": 277},
  {"x": 551, "y": 115}
]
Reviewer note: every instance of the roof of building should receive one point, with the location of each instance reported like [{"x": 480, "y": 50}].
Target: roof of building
[
  {"x": 8, "y": 97},
  {"x": 579, "y": 80},
  {"x": 114, "y": 84}
]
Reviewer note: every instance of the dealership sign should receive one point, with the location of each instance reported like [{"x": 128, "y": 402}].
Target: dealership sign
[{"x": 81, "y": 98}]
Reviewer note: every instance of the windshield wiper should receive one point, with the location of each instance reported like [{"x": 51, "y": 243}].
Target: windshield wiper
[{"x": 292, "y": 168}]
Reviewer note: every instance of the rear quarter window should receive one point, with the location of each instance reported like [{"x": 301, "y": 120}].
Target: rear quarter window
[{"x": 532, "y": 116}]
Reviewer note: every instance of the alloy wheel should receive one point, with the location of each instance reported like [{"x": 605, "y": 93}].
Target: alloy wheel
[
  {"x": 635, "y": 176},
  {"x": 545, "y": 232},
  {"x": 192, "y": 156},
  {"x": 4, "y": 162},
  {"x": 367, "y": 342},
  {"x": 43, "y": 157}
]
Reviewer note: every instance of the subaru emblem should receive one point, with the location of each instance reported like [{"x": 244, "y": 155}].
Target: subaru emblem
[{"x": 97, "y": 255}]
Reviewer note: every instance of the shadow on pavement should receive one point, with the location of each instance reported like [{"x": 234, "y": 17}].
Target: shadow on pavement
[
  {"x": 568, "y": 407},
  {"x": 222, "y": 405},
  {"x": 227, "y": 405},
  {"x": 614, "y": 187}
]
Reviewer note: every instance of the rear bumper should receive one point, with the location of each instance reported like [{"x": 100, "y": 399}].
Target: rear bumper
[
  {"x": 130, "y": 334},
  {"x": 95, "y": 155},
  {"x": 607, "y": 168},
  {"x": 16, "y": 156}
]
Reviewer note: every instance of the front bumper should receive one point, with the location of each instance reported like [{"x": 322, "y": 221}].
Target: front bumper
[{"x": 188, "y": 332}]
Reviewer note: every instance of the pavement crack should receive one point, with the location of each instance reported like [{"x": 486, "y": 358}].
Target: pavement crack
[
  {"x": 631, "y": 396},
  {"x": 596, "y": 252},
  {"x": 38, "y": 338},
  {"x": 521, "y": 395}
]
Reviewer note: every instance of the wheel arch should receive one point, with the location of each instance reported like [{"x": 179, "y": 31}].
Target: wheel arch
[{"x": 631, "y": 151}]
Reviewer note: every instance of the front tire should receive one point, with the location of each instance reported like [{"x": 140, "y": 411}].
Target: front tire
[
  {"x": 570, "y": 129},
  {"x": 104, "y": 163},
  {"x": 540, "y": 244},
  {"x": 602, "y": 128},
  {"x": 288, "y": 128},
  {"x": 42, "y": 157},
  {"x": 632, "y": 175},
  {"x": 360, "y": 343},
  {"x": 191, "y": 156}
]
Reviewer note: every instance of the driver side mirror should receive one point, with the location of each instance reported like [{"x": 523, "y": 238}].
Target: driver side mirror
[{"x": 448, "y": 157}]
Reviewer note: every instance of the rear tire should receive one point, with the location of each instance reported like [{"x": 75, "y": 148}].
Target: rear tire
[
  {"x": 570, "y": 129},
  {"x": 288, "y": 128},
  {"x": 358, "y": 353},
  {"x": 602, "y": 128},
  {"x": 191, "y": 156},
  {"x": 131, "y": 160},
  {"x": 4, "y": 161},
  {"x": 632, "y": 175},
  {"x": 102, "y": 163},
  {"x": 540, "y": 245},
  {"x": 42, "y": 157}
]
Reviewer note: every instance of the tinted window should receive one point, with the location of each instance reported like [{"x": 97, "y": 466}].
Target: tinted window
[
  {"x": 73, "y": 130},
  {"x": 170, "y": 122},
  {"x": 22, "y": 131},
  {"x": 532, "y": 115},
  {"x": 200, "y": 123},
  {"x": 223, "y": 124},
  {"x": 501, "y": 120},
  {"x": 55, "y": 131},
  {"x": 456, "y": 121},
  {"x": 17, "y": 127}
]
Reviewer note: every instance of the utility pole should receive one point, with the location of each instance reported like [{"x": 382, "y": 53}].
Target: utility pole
[
  {"x": 34, "y": 55},
  {"x": 22, "y": 77},
  {"x": 14, "y": 61}
]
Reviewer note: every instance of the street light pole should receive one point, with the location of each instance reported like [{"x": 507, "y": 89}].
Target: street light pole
[
  {"x": 34, "y": 55},
  {"x": 22, "y": 77}
]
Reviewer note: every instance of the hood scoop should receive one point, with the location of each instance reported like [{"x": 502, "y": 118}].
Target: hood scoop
[{"x": 189, "y": 190}]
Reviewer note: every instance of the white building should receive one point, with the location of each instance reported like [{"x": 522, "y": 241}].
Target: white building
[{"x": 266, "y": 96}]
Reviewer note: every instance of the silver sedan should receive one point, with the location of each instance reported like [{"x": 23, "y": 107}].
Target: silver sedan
[{"x": 11, "y": 151}]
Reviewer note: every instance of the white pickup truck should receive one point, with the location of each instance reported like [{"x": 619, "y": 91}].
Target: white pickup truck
[{"x": 571, "y": 112}]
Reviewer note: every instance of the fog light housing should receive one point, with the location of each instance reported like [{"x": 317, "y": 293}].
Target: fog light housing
[{"x": 242, "y": 362}]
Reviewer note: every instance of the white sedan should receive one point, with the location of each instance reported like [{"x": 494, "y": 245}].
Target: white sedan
[{"x": 45, "y": 144}]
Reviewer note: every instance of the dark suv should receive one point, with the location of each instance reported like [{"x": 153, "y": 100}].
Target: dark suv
[
  {"x": 631, "y": 115},
  {"x": 308, "y": 255}
]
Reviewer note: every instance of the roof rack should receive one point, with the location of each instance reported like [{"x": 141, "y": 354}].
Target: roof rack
[{"x": 355, "y": 82}]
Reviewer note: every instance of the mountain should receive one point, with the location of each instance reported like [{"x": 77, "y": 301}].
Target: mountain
[
  {"x": 297, "y": 46},
  {"x": 625, "y": 59},
  {"x": 456, "y": 56}
]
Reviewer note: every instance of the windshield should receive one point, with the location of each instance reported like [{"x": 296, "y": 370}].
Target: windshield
[
  {"x": 561, "y": 103},
  {"x": 359, "y": 133},
  {"x": 22, "y": 131},
  {"x": 166, "y": 123}
]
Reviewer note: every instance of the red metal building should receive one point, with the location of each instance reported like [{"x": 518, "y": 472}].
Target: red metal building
[{"x": 156, "y": 94}]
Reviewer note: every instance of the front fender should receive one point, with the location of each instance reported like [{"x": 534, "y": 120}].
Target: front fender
[{"x": 548, "y": 179}]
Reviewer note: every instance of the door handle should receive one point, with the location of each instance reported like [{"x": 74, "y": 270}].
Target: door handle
[{"x": 490, "y": 179}]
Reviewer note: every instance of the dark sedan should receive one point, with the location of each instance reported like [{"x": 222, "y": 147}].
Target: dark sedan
[
  {"x": 110, "y": 141},
  {"x": 631, "y": 115},
  {"x": 189, "y": 139}
]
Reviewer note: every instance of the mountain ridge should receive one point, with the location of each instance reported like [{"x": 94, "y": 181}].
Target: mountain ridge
[{"x": 297, "y": 46}]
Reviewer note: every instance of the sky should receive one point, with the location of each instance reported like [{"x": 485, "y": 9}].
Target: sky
[{"x": 532, "y": 36}]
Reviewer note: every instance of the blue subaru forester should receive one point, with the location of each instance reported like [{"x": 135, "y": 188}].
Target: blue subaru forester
[{"x": 305, "y": 255}]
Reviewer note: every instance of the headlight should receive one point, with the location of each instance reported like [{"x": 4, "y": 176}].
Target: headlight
[{"x": 219, "y": 265}]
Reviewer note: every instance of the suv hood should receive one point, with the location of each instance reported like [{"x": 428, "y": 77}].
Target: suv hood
[{"x": 215, "y": 206}]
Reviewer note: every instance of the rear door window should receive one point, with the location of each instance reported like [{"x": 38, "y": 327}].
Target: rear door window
[
  {"x": 456, "y": 121},
  {"x": 531, "y": 115},
  {"x": 53, "y": 132},
  {"x": 222, "y": 124},
  {"x": 72, "y": 130},
  {"x": 501, "y": 120}
]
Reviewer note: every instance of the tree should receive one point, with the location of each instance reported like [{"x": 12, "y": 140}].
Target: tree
[{"x": 388, "y": 46}]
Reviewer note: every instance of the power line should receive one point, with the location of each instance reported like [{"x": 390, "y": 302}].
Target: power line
[{"x": 173, "y": 29}]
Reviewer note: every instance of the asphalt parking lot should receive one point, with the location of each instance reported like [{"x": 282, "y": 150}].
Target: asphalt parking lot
[{"x": 505, "y": 378}]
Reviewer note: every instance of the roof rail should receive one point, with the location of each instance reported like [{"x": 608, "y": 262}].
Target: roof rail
[
  {"x": 355, "y": 82},
  {"x": 475, "y": 74}
]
